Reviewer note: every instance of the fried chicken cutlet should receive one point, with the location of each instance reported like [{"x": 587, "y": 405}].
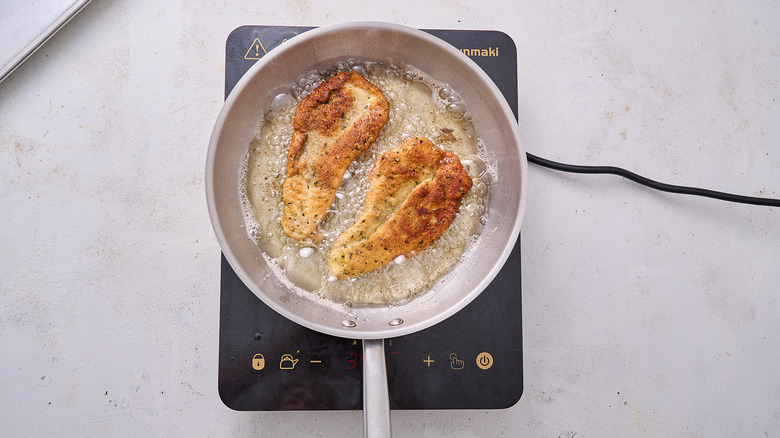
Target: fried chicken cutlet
[
  {"x": 414, "y": 193},
  {"x": 332, "y": 126}
]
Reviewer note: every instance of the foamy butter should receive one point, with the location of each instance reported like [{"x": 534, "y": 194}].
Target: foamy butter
[{"x": 419, "y": 106}]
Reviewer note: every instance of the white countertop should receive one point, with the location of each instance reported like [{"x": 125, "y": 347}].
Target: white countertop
[{"x": 645, "y": 314}]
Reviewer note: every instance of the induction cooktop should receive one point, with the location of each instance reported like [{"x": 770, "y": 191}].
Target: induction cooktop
[{"x": 472, "y": 360}]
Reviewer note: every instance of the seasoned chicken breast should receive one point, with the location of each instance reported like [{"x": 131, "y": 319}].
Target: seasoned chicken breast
[
  {"x": 339, "y": 120},
  {"x": 415, "y": 191}
]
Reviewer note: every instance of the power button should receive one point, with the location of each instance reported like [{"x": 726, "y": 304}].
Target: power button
[{"x": 484, "y": 360}]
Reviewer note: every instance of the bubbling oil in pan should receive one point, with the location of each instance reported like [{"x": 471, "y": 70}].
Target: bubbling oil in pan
[{"x": 419, "y": 106}]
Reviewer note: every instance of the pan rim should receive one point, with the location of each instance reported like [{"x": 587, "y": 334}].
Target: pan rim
[{"x": 358, "y": 332}]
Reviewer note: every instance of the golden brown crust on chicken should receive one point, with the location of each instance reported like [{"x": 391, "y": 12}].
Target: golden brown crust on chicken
[
  {"x": 415, "y": 191},
  {"x": 334, "y": 124}
]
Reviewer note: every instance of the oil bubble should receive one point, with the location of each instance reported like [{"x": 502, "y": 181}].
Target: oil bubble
[
  {"x": 474, "y": 166},
  {"x": 280, "y": 104},
  {"x": 481, "y": 189},
  {"x": 359, "y": 69},
  {"x": 457, "y": 110}
]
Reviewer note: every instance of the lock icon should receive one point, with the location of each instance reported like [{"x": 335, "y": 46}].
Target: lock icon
[
  {"x": 287, "y": 362},
  {"x": 258, "y": 362}
]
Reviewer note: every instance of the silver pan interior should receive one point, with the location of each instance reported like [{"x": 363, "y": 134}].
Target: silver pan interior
[{"x": 321, "y": 48}]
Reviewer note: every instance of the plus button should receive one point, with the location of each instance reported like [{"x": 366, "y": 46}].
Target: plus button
[{"x": 428, "y": 361}]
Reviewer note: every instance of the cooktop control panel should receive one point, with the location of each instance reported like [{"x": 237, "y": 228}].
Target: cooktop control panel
[{"x": 472, "y": 360}]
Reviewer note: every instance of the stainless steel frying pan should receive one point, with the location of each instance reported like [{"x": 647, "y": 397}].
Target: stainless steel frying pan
[{"x": 238, "y": 123}]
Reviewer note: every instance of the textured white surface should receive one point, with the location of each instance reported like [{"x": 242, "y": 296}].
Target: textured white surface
[{"x": 645, "y": 314}]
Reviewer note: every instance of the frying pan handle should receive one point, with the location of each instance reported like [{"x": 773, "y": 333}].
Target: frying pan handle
[{"x": 376, "y": 401}]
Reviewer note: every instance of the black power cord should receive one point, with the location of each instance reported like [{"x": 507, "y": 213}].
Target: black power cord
[{"x": 652, "y": 184}]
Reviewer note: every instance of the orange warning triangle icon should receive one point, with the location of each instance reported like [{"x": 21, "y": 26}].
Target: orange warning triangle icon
[{"x": 256, "y": 50}]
